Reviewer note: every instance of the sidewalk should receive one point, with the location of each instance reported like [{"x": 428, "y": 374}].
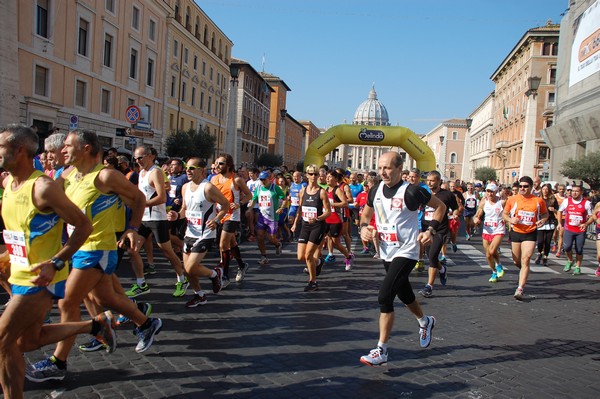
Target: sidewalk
[{"x": 266, "y": 338}]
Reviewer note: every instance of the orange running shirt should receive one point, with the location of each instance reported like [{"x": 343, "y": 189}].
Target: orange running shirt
[{"x": 527, "y": 209}]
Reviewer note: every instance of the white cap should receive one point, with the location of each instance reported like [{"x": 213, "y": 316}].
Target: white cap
[
  {"x": 492, "y": 187},
  {"x": 569, "y": 187}
]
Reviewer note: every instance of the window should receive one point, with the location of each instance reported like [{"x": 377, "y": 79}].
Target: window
[
  {"x": 41, "y": 81},
  {"x": 133, "y": 64},
  {"x": 551, "y": 99},
  {"x": 82, "y": 47},
  {"x": 172, "y": 86},
  {"x": 209, "y": 103},
  {"x": 195, "y": 63},
  {"x": 201, "y": 100},
  {"x": 108, "y": 43},
  {"x": 185, "y": 55},
  {"x": 105, "y": 102},
  {"x": 183, "y": 87},
  {"x": 193, "y": 96},
  {"x": 80, "y": 89},
  {"x": 175, "y": 48},
  {"x": 130, "y": 101},
  {"x": 454, "y": 135},
  {"x": 135, "y": 18},
  {"x": 152, "y": 30},
  {"x": 150, "y": 72},
  {"x": 110, "y": 5},
  {"x": 211, "y": 74},
  {"x": 41, "y": 18},
  {"x": 543, "y": 154},
  {"x": 203, "y": 68},
  {"x": 552, "y": 79},
  {"x": 453, "y": 157}
]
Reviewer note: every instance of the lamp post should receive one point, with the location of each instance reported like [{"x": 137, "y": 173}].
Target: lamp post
[
  {"x": 282, "y": 136},
  {"x": 467, "y": 170},
  {"x": 232, "y": 130},
  {"x": 442, "y": 158},
  {"x": 528, "y": 157},
  {"x": 501, "y": 154}
]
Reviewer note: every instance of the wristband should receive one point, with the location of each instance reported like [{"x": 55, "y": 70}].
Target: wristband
[
  {"x": 364, "y": 225},
  {"x": 136, "y": 229},
  {"x": 435, "y": 224}
]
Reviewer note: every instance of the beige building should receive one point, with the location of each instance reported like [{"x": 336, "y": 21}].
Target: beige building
[
  {"x": 278, "y": 113},
  {"x": 249, "y": 114},
  {"x": 197, "y": 74},
  {"x": 447, "y": 141},
  {"x": 294, "y": 137},
  {"x": 478, "y": 143},
  {"x": 312, "y": 132},
  {"x": 81, "y": 64},
  {"x": 524, "y": 104},
  {"x": 576, "y": 129}
]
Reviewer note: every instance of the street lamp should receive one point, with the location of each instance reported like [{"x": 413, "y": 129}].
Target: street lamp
[
  {"x": 469, "y": 123},
  {"x": 442, "y": 159},
  {"x": 232, "y": 131},
  {"x": 534, "y": 84}
]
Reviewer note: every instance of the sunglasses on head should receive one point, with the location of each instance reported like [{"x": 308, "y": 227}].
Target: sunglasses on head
[{"x": 192, "y": 167}]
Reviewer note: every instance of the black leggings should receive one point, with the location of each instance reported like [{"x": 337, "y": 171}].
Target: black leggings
[
  {"x": 544, "y": 241},
  {"x": 396, "y": 283}
]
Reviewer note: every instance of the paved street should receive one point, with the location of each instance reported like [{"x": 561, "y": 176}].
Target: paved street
[{"x": 266, "y": 338}]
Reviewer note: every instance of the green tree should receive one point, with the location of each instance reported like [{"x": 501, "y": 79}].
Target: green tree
[
  {"x": 485, "y": 174},
  {"x": 185, "y": 144},
  {"x": 267, "y": 159},
  {"x": 586, "y": 168}
]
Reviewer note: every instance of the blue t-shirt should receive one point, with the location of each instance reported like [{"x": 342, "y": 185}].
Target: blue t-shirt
[{"x": 355, "y": 189}]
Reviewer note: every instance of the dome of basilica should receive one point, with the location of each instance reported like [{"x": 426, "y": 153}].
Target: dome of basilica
[{"x": 371, "y": 112}]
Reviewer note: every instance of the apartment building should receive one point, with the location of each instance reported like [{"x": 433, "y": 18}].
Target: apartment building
[
  {"x": 478, "y": 143},
  {"x": 447, "y": 141}
]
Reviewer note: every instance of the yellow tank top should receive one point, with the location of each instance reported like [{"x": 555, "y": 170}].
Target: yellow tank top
[
  {"x": 32, "y": 236},
  {"x": 100, "y": 208}
]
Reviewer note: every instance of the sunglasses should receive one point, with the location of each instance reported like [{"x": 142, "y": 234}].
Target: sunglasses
[
  {"x": 221, "y": 163},
  {"x": 310, "y": 174},
  {"x": 490, "y": 191},
  {"x": 140, "y": 158},
  {"x": 193, "y": 167},
  {"x": 524, "y": 185}
]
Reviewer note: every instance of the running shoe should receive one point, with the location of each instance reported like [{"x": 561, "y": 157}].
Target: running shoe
[
  {"x": 443, "y": 259},
  {"x": 181, "y": 288},
  {"x": 598, "y": 271},
  {"x": 122, "y": 319},
  {"x": 216, "y": 281},
  {"x": 427, "y": 291},
  {"x": 443, "y": 275},
  {"x": 454, "y": 247},
  {"x": 107, "y": 334},
  {"x": 263, "y": 260},
  {"x": 149, "y": 268},
  {"x": 425, "y": 332},
  {"x": 545, "y": 261},
  {"x": 499, "y": 270},
  {"x": 224, "y": 282},
  {"x": 305, "y": 270},
  {"x": 494, "y": 278},
  {"x": 45, "y": 370},
  {"x": 349, "y": 261},
  {"x": 538, "y": 259},
  {"x": 146, "y": 336},
  {"x": 320, "y": 264},
  {"x": 241, "y": 273},
  {"x": 420, "y": 266},
  {"x": 377, "y": 357},
  {"x": 196, "y": 301},
  {"x": 92, "y": 345},
  {"x": 468, "y": 237},
  {"x": 137, "y": 290},
  {"x": 576, "y": 271},
  {"x": 278, "y": 249},
  {"x": 364, "y": 251},
  {"x": 311, "y": 286},
  {"x": 251, "y": 238},
  {"x": 376, "y": 256},
  {"x": 519, "y": 294},
  {"x": 568, "y": 266},
  {"x": 558, "y": 253},
  {"x": 145, "y": 308},
  {"x": 553, "y": 248},
  {"x": 330, "y": 258}
]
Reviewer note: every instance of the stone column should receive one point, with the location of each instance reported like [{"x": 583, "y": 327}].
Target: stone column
[{"x": 9, "y": 67}]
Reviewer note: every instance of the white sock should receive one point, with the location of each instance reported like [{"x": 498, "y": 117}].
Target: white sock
[
  {"x": 423, "y": 321},
  {"x": 199, "y": 293},
  {"x": 382, "y": 346},
  {"x": 180, "y": 279},
  {"x": 213, "y": 274},
  {"x": 140, "y": 281}
]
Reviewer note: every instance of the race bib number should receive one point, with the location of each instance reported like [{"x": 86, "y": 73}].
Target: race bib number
[
  {"x": 490, "y": 224},
  {"x": 15, "y": 244},
  {"x": 470, "y": 203},
  {"x": 575, "y": 220},
  {"x": 295, "y": 201},
  {"x": 264, "y": 201},
  {"x": 173, "y": 191},
  {"x": 525, "y": 217},
  {"x": 194, "y": 217},
  {"x": 387, "y": 233},
  {"x": 429, "y": 213},
  {"x": 309, "y": 212}
]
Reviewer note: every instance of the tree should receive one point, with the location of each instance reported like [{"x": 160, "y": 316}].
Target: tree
[
  {"x": 185, "y": 144},
  {"x": 586, "y": 168},
  {"x": 485, "y": 174},
  {"x": 267, "y": 159}
]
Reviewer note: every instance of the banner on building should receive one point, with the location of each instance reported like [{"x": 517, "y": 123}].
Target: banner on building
[{"x": 585, "y": 53}]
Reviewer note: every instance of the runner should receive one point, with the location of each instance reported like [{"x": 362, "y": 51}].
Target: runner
[
  {"x": 339, "y": 204},
  {"x": 525, "y": 213},
  {"x": 295, "y": 188},
  {"x": 596, "y": 217},
  {"x": 314, "y": 209},
  {"x": 560, "y": 195},
  {"x": 493, "y": 229},
  {"x": 394, "y": 204},
  {"x": 546, "y": 232},
  {"x": 577, "y": 212},
  {"x": 252, "y": 212},
  {"x": 199, "y": 197},
  {"x": 471, "y": 203}
]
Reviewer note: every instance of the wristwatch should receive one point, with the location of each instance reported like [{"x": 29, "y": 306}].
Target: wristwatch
[
  {"x": 59, "y": 264},
  {"x": 431, "y": 231}
]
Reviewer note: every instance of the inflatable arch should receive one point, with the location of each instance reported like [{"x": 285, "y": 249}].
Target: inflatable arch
[{"x": 393, "y": 136}]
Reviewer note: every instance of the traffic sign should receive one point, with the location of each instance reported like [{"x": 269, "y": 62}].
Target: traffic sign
[
  {"x": 73, "y": 122},
  {"x": 133, "y": 114}
]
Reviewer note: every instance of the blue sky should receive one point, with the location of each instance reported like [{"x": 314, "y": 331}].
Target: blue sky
[{"x": 430, "y": 60}]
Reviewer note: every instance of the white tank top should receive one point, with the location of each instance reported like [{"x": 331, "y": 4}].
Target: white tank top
[
  {"x": 198, "y": 211},
  {"x": 493, "y": 223},
  {"x": 156, "y": 212},
  {"x": 397, "y": 226}
]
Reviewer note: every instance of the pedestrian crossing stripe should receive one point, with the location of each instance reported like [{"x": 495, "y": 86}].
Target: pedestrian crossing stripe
[{"x": 476, "y": 256}]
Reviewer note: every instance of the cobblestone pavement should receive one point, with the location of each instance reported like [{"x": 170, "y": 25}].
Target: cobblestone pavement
[{"x": 266, "y": 338}]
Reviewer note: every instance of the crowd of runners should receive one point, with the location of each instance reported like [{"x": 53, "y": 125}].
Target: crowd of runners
[{"x": 72, "y": 213}]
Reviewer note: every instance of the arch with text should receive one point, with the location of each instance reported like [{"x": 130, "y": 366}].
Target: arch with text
[{"x": 393, "y": 136}]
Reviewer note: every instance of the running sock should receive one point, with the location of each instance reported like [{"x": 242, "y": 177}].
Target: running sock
[
  {"x": 225, "y": 262},
  {"x": 237, "y": 255},
  {"x": 95, "y": 327},
  {"x": 61, "y": 364},
  {"x": 423, "y": 321},
  {"x": 140, "y": 281},
  {"x": 213, "y": 274},
  {"x": 199, "y": 293},
  {"x": 382, "y": 346},
  {"x": 180, "y": 279}
]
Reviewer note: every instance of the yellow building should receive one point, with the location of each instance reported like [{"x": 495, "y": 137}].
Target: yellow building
[
  {"x": 82, "y": 63},
  {"x": 197, "y": 58}
]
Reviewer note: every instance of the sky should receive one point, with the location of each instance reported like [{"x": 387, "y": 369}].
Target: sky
[{"x": 430, "y": 60}]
